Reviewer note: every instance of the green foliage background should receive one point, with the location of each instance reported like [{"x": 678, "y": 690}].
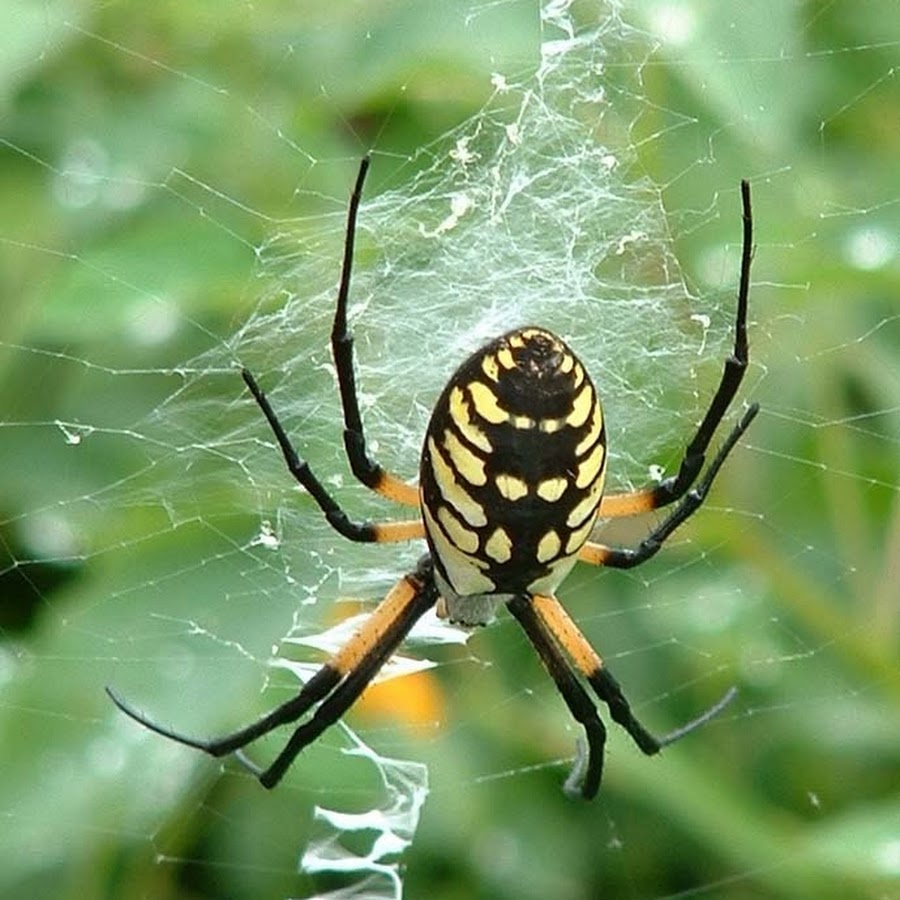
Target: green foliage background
[{"x": 793, "y": 794}]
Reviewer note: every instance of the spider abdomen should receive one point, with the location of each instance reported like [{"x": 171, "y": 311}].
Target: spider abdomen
[{"x": 512, "y": 470}]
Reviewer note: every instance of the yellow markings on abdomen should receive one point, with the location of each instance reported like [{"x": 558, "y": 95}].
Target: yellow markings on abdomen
[
  {"x": 490, "y": 366},
  {"x": 587, "y": 505},
  {"x": 582, "y": 406},
  {"x": 548, "y": 546},
  {"x": 593, "y": 432},
  {"x": 590, "y": 467},
  {"x": 511, "y": 487},
  {"x": 548, "y": 426},
  {"x": 452, "y": 491},
  {"x": 459, "y": 413},
  {"x": 505, "y": 358},
  {"x": 462, "y": 537},
  {"x": 579, "y": 536},
  {"x": 486, "y": 405},
  {"x": 499, "y": 546},
  {"x": 579, "y": 375},
  {"x": 463, "y": 460},
  {"x": 464, "y": 571},
  {"x": 514, "y": 468},
  {"x": 551, "y": 489}
]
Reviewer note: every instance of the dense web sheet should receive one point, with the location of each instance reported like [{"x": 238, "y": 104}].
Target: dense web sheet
[
  {"x": 164, "y": 549},
  {"x": 516, "y": 216}
]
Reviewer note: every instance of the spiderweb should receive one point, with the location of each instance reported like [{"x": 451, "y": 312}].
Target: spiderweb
[{"x": 155, "y": 542}]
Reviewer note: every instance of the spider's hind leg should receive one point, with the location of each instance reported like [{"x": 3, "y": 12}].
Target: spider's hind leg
[
  {"x": 672, "y": 489},
  {"x": 364, "y": 468},
  {"x": 363, "y": 532}
]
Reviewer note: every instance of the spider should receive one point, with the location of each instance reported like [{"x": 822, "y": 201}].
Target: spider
[{"x": 510, "y": 486}]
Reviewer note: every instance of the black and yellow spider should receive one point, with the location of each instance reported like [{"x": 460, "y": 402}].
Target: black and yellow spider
[{"x": 510, "y": 486}]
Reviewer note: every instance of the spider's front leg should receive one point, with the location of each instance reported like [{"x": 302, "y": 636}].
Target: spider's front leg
[
  {"x": 589, "y": 771},
  {"x": 336, "y": 686},
  {"x": 555, "y": 636}
]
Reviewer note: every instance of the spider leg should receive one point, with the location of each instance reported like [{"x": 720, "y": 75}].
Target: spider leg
[
  {"x": 337, "y": 684},
  {"x": 314, "y": 690},
  {"x": 356, "y": 681},
  {"x": 626, "y": 557},
  {"x": 576, "y": 698},
  {"x": 587, "y": 661},
  {"x": 363, "y": 467},
  {"x": 670, "y": 490},
  {"x": 299, "y": 468},
  {"x": 369, "y": 472}
]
